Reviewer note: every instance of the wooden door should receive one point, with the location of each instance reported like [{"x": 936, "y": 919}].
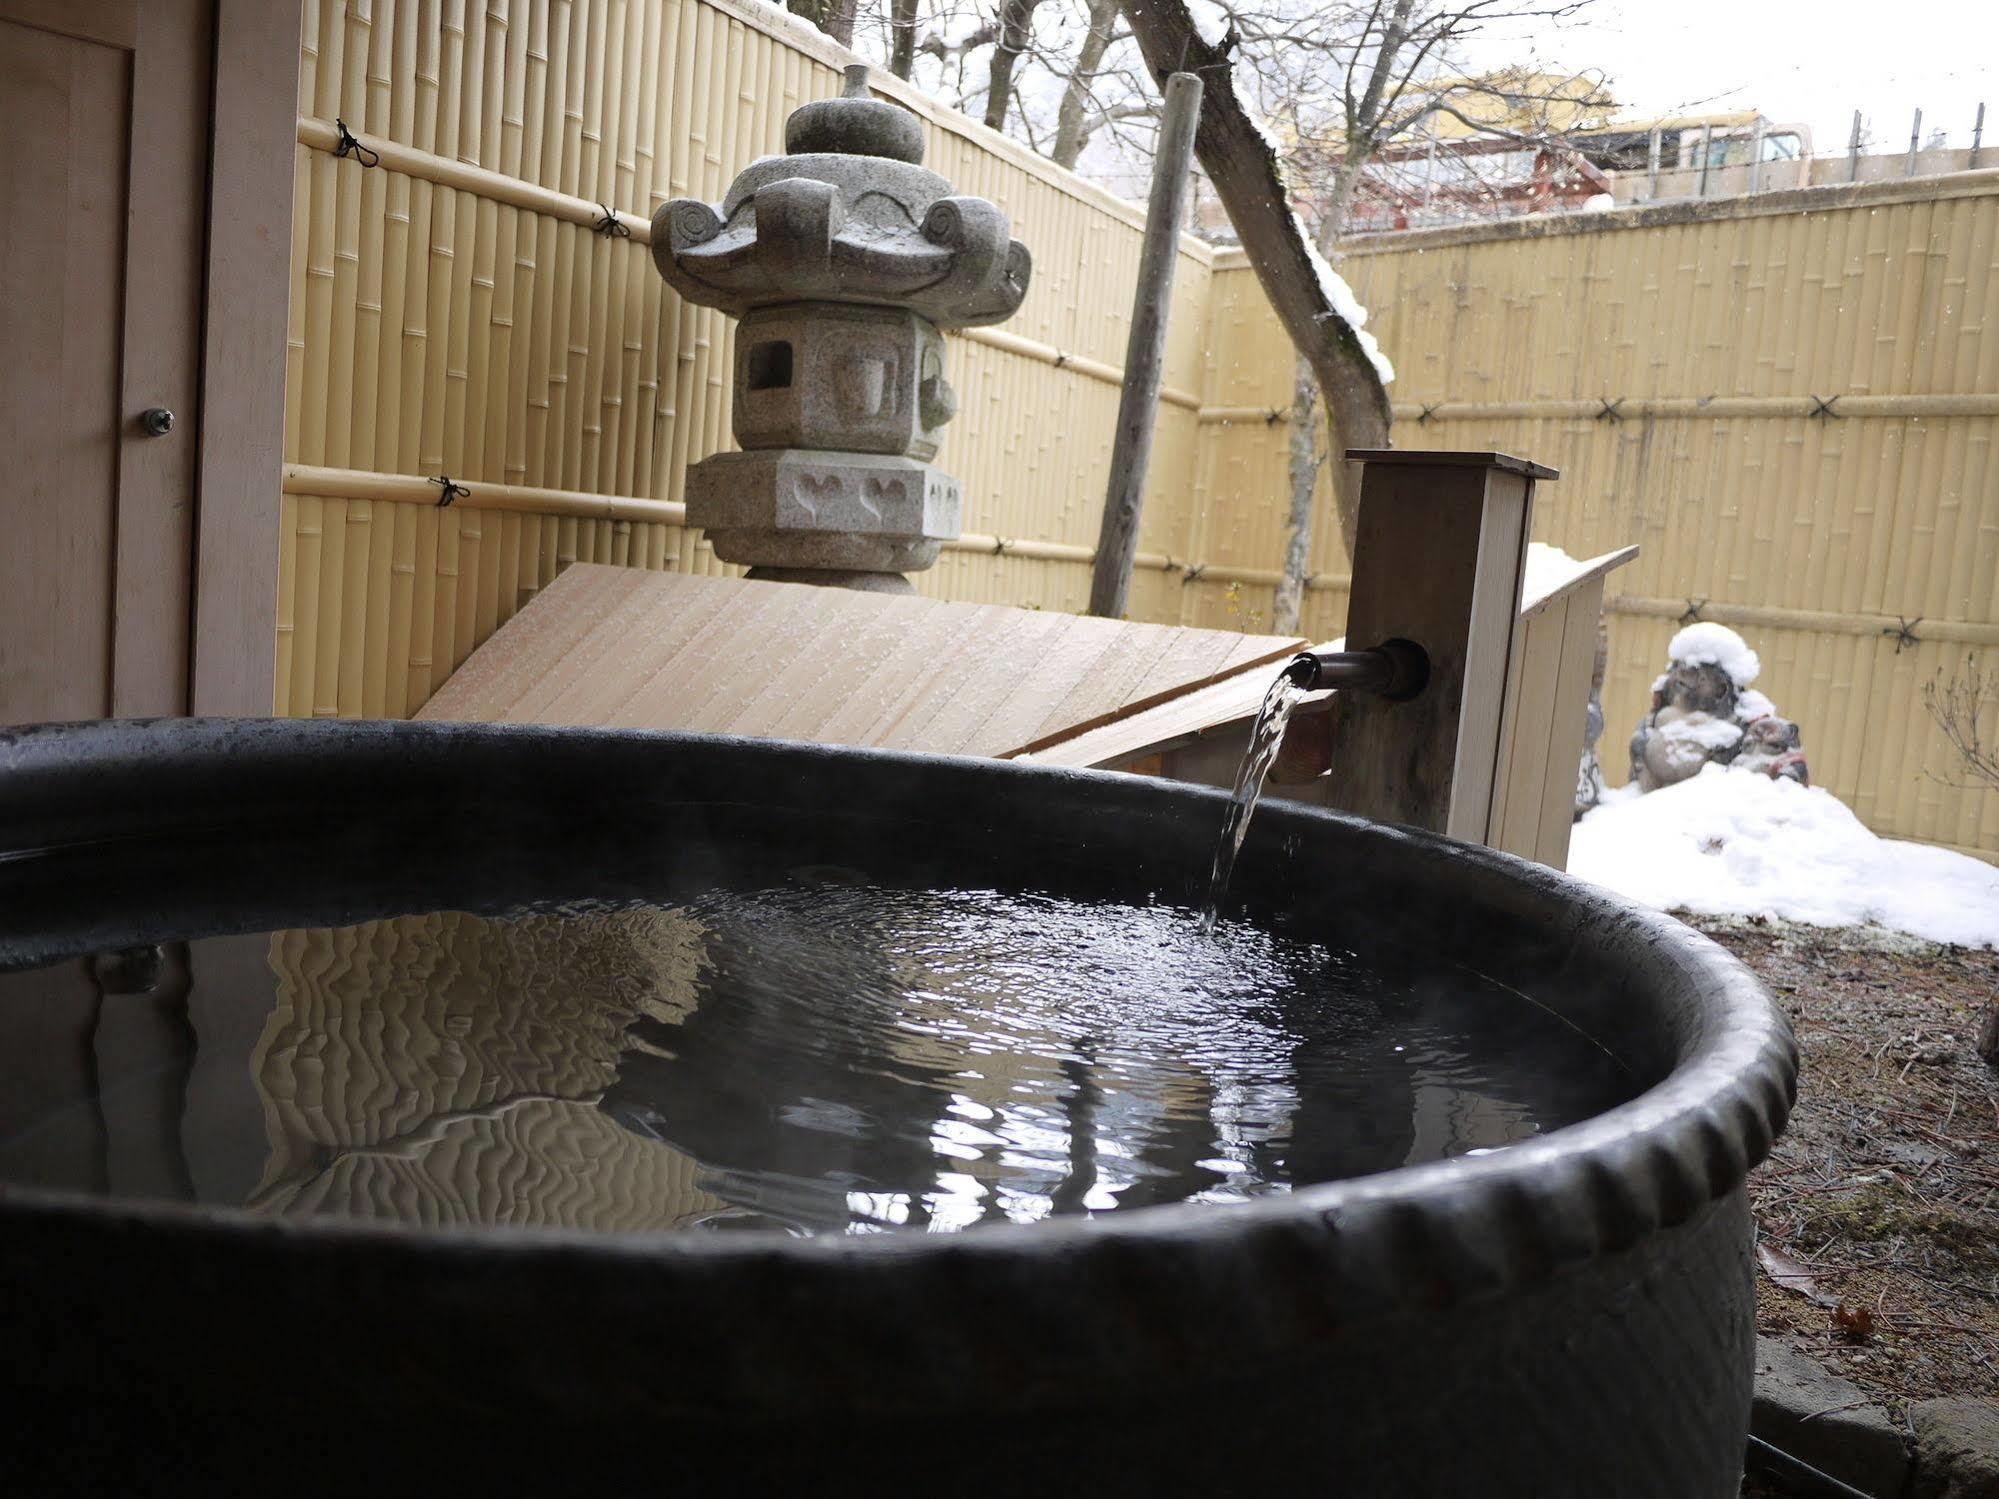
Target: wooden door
[{"x": 104, "y": 112}]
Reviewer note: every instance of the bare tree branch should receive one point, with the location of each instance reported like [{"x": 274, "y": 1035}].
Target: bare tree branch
[
  {"x": 1241, "y": 162},
  {"x": 1016, "y": 34},
  {"x": 1959, "y": 705}
]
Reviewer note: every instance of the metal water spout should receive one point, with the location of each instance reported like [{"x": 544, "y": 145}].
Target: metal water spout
[{"x": 1396, "y": 669}]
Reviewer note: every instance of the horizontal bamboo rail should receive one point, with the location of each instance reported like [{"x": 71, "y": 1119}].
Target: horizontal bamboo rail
[
  {"x": 1956, "y": 631},
  {"x": 410, "y": 489},
  {"x": 1096, "y": 369},
  {"x": 366, "y": 484},
  {"x": 1667, "y": 408},
  {"x": 427, "y": 166},
  {"x": 497, "y": 187}
]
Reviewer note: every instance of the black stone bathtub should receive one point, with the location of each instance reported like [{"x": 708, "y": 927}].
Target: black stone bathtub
[{"x": 1570, "y": 1316}]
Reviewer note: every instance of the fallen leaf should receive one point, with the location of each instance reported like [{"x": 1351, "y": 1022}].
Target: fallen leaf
[
  {"x": 1791, "y": 1275},
  {"x": 1854, "y": 1323}
]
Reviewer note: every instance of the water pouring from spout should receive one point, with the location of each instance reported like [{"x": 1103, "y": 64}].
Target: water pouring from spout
[{"x": 1397, "y": 670}]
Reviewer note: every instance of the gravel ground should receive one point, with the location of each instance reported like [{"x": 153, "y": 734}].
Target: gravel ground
[{"x": 1878, "y": 1212}]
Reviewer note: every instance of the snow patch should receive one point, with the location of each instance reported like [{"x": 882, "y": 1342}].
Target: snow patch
[
  {"x": 1732, "y": 843},
  {"x": 1548, "y": 568},
  {"x": 1339, "y": 296},
  {"x": 1702, "y": 729},
  {"x": 1751, "y": 705},
  {"x": 1715, "y": 645},
  {"x": 1210, "y": 20}
]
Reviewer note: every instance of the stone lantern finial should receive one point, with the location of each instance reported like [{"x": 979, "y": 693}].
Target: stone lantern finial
[{"x": 844, "y": 260}]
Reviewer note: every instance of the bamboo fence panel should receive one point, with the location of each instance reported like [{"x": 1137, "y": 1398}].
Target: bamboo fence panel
[
  {"x": 455, "y": 315},
  {"x": 1794, "y": 412},
  {"x": 1788, "y": 399}
]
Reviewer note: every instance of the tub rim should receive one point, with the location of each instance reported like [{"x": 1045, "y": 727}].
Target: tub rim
[{"x": 1414, "y": 1237}]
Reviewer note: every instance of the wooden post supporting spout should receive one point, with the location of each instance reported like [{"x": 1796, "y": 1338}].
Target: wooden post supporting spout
[{"x": 1438, "y": 558}]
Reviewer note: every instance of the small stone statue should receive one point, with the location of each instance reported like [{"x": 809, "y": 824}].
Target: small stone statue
[
  {"x": 844, "y": 259},
  {"x": 1704, "y": 709}
]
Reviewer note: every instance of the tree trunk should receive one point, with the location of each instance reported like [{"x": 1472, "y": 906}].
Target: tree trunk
[
  {"x": 1243, "y": 166},
  {"x": 839, "y": 22},
  {"x": 1305, "y": 458},
  {"x": 1071, "y": 134},
  {"x": 1016, "y": 31},
  {"x": 902, "y": 39},
  {"x": 1289, "y": 603},
  {"x": 834, "y": 17},
  {"x": 1145, "y": 350}
]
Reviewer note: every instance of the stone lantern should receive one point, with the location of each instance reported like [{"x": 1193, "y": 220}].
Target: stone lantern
[{"x": 844, "y": 260}]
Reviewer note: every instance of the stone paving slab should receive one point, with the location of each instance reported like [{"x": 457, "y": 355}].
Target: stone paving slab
[{"x": 1826, "y": 1421}]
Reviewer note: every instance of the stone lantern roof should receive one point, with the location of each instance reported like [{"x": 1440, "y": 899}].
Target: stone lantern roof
[
  {"x": 844, "y": 259},
  {"x": 849, "y": 214}
]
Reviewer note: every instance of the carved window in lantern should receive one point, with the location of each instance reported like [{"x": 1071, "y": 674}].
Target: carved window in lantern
[{"x": 770, "y": 365}]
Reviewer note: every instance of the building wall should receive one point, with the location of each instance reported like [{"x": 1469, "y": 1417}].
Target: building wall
[
  {"x": 1671, "y": 363},
  {"x": 453, "y": 314}
]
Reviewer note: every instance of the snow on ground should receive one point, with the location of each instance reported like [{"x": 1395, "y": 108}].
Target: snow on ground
[{"x": 1736, "y": 843}]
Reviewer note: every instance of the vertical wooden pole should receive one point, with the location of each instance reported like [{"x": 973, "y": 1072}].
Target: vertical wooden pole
[
  {"x": 1145, "y": 353},
  {"x": 252, "y": 142},
  {"x": 1438, "y": 556}
]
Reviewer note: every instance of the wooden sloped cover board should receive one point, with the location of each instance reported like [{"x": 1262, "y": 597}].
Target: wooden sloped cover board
[
  {"x": 1550, "y": 576},
  {"x": 623, "y": 647}
]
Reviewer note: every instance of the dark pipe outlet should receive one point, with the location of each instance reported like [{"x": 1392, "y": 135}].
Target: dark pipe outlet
[{"x": 1396, "y": 669}]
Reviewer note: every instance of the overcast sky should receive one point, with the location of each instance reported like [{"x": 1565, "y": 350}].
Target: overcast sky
[{"x": 1809, "y": 61}]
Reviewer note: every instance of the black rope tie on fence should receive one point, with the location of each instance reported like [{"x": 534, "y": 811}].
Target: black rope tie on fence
[
  {"x": 1273, "y": 416},
  {"x": 610, "y": 225},
  {"x": 1692, "y": 611},
  {"x": 1429, "y": 410},
  {"x": 1061, "y": 358},
  {"x": 346, "y": 144},
  {"x": 448, "y": 491},
  {"x": 1000, "y": 544},
  {"x": 1607, "y": 409},
  {"x": 1822, "y": 406},
  {"x": 1903, "y": 631},
  {"x": 1193, "y": 572}
]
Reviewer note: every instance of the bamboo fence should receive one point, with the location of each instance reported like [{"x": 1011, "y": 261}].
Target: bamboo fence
[
  {"x": 1788, "y": 399},
  {"x": 457, "y": 313},
  {"x": 1791, "y": 404}
]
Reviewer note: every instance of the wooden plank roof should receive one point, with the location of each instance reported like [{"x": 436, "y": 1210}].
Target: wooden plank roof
[{"x": 617, "y": 646}]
